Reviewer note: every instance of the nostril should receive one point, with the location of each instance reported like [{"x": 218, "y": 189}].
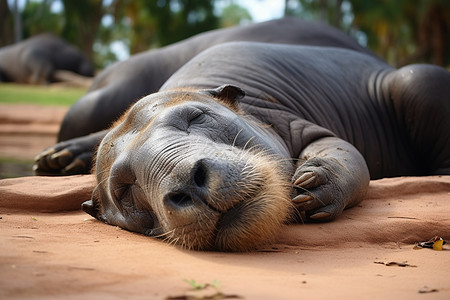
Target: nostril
[
  {"x": 200, "y": 173},
  {"x": 180, "y": 199}
]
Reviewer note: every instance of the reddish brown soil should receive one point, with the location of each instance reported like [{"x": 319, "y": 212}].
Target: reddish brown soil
[
  {"x": 70, "y": 255},
  {"x": 26, "y": 129},
  {"x": 47, "y": 253}
]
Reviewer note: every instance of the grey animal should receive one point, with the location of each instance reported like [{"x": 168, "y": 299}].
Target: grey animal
[
  {"x": 35, "y": 60},
  {"x": 122, "y": 84},
  {"x": 247, "y": 136}
]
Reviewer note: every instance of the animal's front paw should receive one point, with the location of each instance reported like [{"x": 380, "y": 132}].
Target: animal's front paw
[
  {"x": 65, "y": 158},
  {"x": 321, "y": 188}
]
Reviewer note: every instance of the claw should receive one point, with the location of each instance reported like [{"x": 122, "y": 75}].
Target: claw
[
  {"x": 305, "y": 179},
  {"x": 76, "y": 166},
  {"x": 301, "y": 199},
  {"x": 63, "y": 153},
  {"x": 64, "y": 157},
  {"x": 44, "y": 153},
  {"x": 320, "y": 215},
  {"x": 51, "y": 163}
]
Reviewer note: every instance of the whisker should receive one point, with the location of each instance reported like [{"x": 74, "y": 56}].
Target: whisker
[
  {"x": 163, "y": 235},
  {"x": 249, "y": 140},
  {"x": 235, "y": 138},
  {"x": 98, "y": 184}
]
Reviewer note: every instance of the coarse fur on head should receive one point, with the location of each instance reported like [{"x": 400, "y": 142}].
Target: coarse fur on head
[{"x": 189, "y": 167}]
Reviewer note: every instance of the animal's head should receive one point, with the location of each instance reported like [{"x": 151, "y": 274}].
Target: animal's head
[{"x": 188, "y": 167}]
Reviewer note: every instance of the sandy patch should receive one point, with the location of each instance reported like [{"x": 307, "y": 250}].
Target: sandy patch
[
  {"x": 73, "y": 256},
  {"x": 26, "y": 129}
]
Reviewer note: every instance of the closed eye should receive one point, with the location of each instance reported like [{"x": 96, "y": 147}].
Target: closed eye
[
  {"x": 195, "y": 116},
  {"x": 124, "y": 196}
]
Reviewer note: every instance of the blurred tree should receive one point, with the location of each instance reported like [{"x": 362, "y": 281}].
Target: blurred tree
[
  {"x": 404, "y": 31},
  {"x": 6, "y": 24},
  {"x": 17, "y": 22},
  {"x": 401, "y": 31},
  {"x": 433, "y": 35},
  {"x": 141, "y": 24},
  {"x": 145, "y": 24},
  {"x": 328, "y": 11},
  {"x": 112, "y": 28},
  {"x": 234, "y": 14},
  {"x": 155, "y": 23},
  {"x": 82, "y": 21},
  {"x": 38, "y": 18}
]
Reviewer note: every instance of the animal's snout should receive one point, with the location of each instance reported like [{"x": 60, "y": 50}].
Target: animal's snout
[
  {"x": 195, "y": 188},
  {"x": 200, "y": 173},
  {"x": 209, "y": 181},
  {"x": 179, "y": 200}
]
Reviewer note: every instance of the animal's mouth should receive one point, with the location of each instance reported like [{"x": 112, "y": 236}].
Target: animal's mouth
[
  {"x": 237, "y": 229},
  {"x": 231, "y": 216},
  {"x": 229, "y": 209},
  {"x": 222, "y": 221},
  {"x": 252, "y": 222}
]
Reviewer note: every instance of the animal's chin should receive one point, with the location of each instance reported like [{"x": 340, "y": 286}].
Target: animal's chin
[
  {"x": 235, "y": 230},
  {"x": 250, "y": 225}
]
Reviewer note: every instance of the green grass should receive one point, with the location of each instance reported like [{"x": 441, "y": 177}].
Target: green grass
[
  {"x": 12, "y": 93},
  {"x": 13, "y": 167}
]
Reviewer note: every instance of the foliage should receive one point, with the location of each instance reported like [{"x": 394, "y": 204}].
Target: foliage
[
  {"x": 200, "y": 286},
  {"x": 404, "y": 31},
  {"x": 401, "y": 31},
  {"x": 37, "y": 18},
  {"x": 234, "y": 14},
  {"x": 140, "y": 24},
  {"x": 82, "y": 20},
  {"x": 329, "y": 11},
  {"x": 162, "y": 22}
]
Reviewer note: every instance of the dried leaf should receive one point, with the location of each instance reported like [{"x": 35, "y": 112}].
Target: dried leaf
[
  {"x": 215, "y": 296},
  {"x": 426, "y": 289},
  {"x": 436, "y": 243},
  {"x": 394, "y": 263}
]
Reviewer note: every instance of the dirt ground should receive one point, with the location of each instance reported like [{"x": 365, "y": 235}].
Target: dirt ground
[
  {"x": 25, "y": 130},
  {"x": 49, "y": 249},
  {"x": 368, "y": 253}
]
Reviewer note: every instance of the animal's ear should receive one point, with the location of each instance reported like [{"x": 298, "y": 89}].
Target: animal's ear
[
  {"x": 228, "y": 93},
  {"x": 89, "y": 207}
]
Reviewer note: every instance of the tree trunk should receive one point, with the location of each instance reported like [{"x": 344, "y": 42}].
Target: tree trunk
[
  {"x": 6, "y": 26},
  {"x": 82, "y": 23},
  {"x": 433, "y": 37},
  {"x": 17, "y": 23}
]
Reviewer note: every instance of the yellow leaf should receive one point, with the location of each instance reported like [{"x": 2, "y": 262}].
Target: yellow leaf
[{"x": 438, "y": 244}]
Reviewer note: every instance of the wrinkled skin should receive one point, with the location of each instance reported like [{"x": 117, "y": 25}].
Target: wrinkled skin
[
  {"x": 123, "y": 83},
  {"x": 214, "y": 178},
  {"x": 175, "y": 165},
  {"x": 119, "y": 86},
  {"x": 204, "y": 186},
  {"x": 35, "y": 60}
]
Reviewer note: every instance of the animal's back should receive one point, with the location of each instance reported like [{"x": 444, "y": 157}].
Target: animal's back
[
  {"x": 330, "y": 87},
  {"x": 286, "y": 78},
  {"x": 161, "y": 63},
  {"x": 121, "y": 84}
]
